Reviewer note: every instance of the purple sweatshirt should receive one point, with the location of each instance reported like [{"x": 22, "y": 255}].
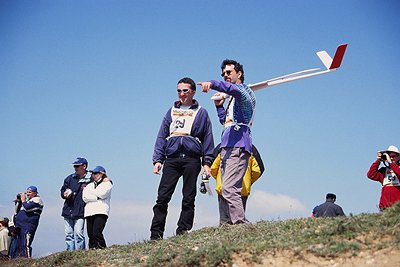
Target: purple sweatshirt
[
  {"x": 200, "y": 142},
  {"x": 238, "y": 134}
]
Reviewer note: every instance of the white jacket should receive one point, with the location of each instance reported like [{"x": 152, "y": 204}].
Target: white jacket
[
  {"x": 4, "y": 240},
  {"x": 97, "y": 199}
]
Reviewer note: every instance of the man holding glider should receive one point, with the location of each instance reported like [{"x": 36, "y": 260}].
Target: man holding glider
[{"x": 236, "y": 143}]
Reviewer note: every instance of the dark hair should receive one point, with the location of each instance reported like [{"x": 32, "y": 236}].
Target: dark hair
[
  {"x": 330, "y": 196},
  {"x": 237, "y": 66},
  {"x": 188, "y": 80}
]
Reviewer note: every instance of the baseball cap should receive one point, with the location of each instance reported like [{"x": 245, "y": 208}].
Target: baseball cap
[
  {"x": 80, "y": 161},
  {"x": 32, "y": 188},
  {"x": 99, "y": 169}
]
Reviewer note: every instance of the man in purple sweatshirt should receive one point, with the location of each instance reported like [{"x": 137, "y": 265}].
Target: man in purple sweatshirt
[
  {"x": 236, "y": 141},
  {"x": 184, "y": 143}
]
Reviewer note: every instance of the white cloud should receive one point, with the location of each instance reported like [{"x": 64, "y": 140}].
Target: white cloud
[{"x": 265, "y": 206}]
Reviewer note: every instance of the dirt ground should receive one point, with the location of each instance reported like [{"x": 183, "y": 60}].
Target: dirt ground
[{"x": 384, "y": 257}]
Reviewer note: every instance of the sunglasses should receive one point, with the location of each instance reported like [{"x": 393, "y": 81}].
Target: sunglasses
[
  {"x": 185, "y": 90},
  {"x": 228, "y": 72}
]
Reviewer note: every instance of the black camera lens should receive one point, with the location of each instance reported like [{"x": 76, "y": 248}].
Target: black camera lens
[
  {"x": 383, "y": 157},
  {"x": 18, "y": 196},
  {"x": 203, "y": 188}
]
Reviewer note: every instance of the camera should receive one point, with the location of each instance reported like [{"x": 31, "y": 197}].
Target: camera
[
  {"x": 203, "y": 188},
  {"x": 383, "y": 157},
  {"x": 204, "y": 183},
  {"x": 18, "y": 196}
]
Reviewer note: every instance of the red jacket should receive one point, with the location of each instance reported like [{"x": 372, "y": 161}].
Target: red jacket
[{"x": 390, "y": 187}]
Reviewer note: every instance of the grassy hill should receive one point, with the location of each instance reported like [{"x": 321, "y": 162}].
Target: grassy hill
[{"x": 347, "y": 241}]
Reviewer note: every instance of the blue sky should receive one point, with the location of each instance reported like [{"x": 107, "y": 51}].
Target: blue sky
[{"x": 95, "y": 78}]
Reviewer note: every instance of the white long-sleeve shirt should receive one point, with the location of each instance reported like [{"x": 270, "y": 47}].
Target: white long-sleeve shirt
[{"x": 97, "y": 199}]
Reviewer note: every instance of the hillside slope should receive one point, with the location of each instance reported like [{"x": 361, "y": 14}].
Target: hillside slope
[{"x": 362, "y": 240}]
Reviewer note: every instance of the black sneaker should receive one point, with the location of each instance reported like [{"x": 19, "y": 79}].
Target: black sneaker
[
  {"x": 155, "y": 237},
  {"x": 181, "y": 232}
]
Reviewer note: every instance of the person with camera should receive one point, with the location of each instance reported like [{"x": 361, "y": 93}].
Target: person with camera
[
  {"x": 97, "y": 196},
  {"x": 184, "y": 143},
  {"x": 388, "y": 175},
  {"x": 27, "y": 220},
  {"x": 73, "y": 209},
  {"x": 12, "y": 230}
]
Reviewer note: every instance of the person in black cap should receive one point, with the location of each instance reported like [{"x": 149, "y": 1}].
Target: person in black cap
[
  {"x": 329, "y": 208},
  {"x": 27, "y": 220},
  {"x": 73, "y": 209}
]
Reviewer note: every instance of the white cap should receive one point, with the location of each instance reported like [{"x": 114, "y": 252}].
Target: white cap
[{"x": 393, "y": 149}]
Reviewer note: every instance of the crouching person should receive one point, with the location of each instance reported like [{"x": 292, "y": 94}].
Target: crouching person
[{"x": 97, "y": 197}]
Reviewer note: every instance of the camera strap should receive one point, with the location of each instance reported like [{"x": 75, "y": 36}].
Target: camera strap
[{"x": 386, "y": 164}]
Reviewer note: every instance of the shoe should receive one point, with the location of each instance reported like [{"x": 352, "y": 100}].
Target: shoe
[
  {"x": 155, "y": 237},
  {"x": 223, "y": 222},
  {"x": 182, "y": 232}
]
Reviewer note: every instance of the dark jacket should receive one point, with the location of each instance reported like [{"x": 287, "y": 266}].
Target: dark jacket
[
  {"x": 199, "y": 144},
  {"x": 28, "y": 216},
  {"x": 74, "y": 205},
  {"x": 328, "y": 209}
]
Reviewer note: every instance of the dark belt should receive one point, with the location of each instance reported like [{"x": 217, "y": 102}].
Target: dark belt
[{"x": 183, "y": 155}]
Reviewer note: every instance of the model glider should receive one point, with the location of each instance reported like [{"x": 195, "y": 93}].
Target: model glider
[{"x": 331, "y": 64}]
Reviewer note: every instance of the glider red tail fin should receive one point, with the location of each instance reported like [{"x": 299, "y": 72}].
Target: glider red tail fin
[{"x": 337, "y": 59}]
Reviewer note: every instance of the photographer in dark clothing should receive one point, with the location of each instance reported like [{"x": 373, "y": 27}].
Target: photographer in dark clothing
[
  {"x": 27, "y": 220},
  {"x": 329, "y": 208}
]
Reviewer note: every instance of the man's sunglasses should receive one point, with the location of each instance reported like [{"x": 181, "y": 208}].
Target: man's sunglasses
[
  {"x": 228, "y": 72},
  {"x": 185, "y": 90}
]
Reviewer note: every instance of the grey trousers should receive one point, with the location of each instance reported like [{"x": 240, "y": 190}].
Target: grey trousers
[
  {"x": 224, "y": 217},
  {"x": 234, "y": 162}
]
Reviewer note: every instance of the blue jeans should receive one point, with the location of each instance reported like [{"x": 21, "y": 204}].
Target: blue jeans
[
  {"x": 74, "y": 233},
  {"x": 13, "y": 250}
]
